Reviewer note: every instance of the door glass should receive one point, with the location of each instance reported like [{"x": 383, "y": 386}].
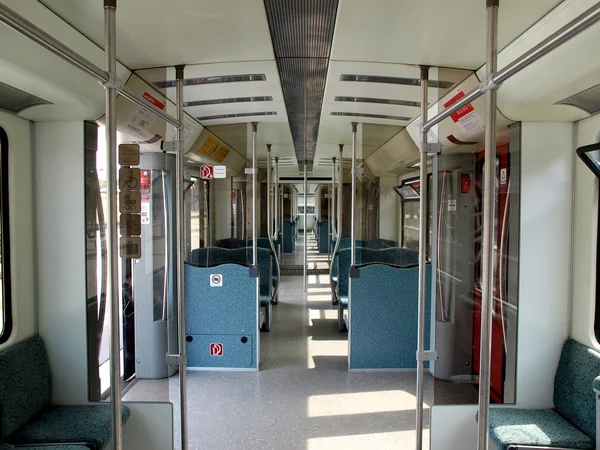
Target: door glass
[{"x": 459, "y": 269}]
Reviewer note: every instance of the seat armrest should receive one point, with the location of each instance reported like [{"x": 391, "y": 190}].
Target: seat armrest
[
  {"x": 537, "y": 447},
  {"x": 596, "y": 387}
]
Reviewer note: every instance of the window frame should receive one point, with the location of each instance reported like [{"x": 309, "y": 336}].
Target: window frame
[{"x": 5, "y": 224}]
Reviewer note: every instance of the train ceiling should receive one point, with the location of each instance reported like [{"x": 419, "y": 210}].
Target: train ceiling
[{"x": 371, "y": 73}]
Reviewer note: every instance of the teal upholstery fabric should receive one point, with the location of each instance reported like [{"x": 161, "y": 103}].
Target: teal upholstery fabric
[
  {"x": 25, "y": 384},
  {"x": 51, "y": 447},
  {"x": 384, "y": 316},
  {"x": 535, "y": 427},
  {"x": 64, "y": 424},
  {"x": 574, "y": 397},
  {"x": 209, "y": 256},
  {"x": 231, "y": 243},
  {"x": 399, "y": 256}
]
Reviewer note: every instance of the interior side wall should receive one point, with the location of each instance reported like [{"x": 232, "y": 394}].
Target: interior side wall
[
  {"x": 21, "y": 226},
  {"x": 388, "y": 209},
  {"x": 222, "y": 207},
  {"x": 544, "y": 279},
  {"x": 59, "y": 153},
  {"x": 585, "y": 222}
]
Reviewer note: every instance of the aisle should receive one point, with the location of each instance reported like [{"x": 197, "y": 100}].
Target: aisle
[{"x": 303, "y": 397}]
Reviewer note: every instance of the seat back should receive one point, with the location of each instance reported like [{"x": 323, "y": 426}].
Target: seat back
[
  {"x": 401, "y": 257},
  {"x": 378, "y": 243},
  {"x": 209, "y": 256},
  {"x": 244, "y": 256},
  {"x": 231, "y": 243},
  {"x": 344, "y": 268},
  {"x": 25, "y": 384},
  {"x": 574, "y": 398}
]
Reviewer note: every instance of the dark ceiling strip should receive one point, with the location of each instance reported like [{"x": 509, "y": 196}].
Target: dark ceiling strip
[
  {"x": 382, "y": 101},
  {"x": 212, "y": 80},
  {"x": 302, "y": 35},
  {"x": 16, "y": 100},
  {"x": 371, "y": 116},
  {"x": 231, "y": 116},
  {"x": 395, "y": 80},
  {"x": 222, "y": 101}
]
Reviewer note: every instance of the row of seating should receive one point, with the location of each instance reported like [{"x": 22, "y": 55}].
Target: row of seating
[
  {"x": 322, "y": 234},
  {"x": 29, "y": 419},
  {"x": 289, "y": 233},
  {"x": 572, "y": 423}
]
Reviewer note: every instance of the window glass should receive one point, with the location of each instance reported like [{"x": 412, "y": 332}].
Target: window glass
[{"x": 5, "y": 310}]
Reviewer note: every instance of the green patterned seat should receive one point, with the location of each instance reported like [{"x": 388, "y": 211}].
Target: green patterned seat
[
  {"x": 543, "y": 427},
  {"x": 572, "y": 424},
  {"x": 27, "y": 416}
]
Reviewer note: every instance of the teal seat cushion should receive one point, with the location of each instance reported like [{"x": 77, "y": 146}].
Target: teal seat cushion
[
  {"x": 25, "y": 384},
  {"x": 64, "y": 424},
  {"x": 53, "y": 447},
  {"x": 543, "y": 427},
  {"x": 574, "y": 397}
]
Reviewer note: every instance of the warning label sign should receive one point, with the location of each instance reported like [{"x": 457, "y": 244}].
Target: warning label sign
[{"x": 466, "y": 117}]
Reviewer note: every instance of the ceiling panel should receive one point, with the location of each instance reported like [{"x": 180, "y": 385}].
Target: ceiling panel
[
  {"x": 432, "y": 32},
  {"x": 152, "y": 33}
]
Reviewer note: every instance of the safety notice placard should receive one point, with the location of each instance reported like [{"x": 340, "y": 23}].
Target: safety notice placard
[
  {"x": 467, "y": 119},
  {"x": 220, "y": 171}
]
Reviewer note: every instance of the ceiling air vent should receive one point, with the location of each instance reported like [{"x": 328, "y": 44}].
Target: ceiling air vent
[
  {"x": 328, "y": 162},
  {"x": 233, "y": 116},
  {"x": 212, "y": 80},
  {"x": 15, "y": 100},
  {"x": 395, "y": 80},
  {"x": 588, "y": 100},
  {"x": 285, "y": 161},
  {"x": 370, "y": 116},
  {"x": 381, "y": 101},
  {"x": 224, "y": 101}
]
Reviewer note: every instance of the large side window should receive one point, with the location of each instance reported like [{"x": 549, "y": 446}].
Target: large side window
[
  {"x": 590, "y": 155},
  {"x": 5, "y": 299}
]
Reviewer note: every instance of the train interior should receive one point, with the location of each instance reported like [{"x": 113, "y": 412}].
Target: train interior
[{"x": 302, "y": 215}]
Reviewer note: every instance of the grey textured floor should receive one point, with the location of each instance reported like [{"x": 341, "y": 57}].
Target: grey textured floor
[{"x": 303, "y": 397}]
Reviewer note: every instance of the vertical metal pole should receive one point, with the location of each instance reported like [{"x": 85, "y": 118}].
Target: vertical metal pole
[
  {"x": 180, "y": 242},
  {"x": 110, "y": 37},
  {"x": 487, "y": 274},
  {"x": 305, "y": 220},
  {"x": 353, "y": 197},
  {"x": 254, "y": 195},
  {"x": 330, "y": 221},
  {"x": 340, "y": 194},
  {"x": 276, "y": 199},
  {"x": 333, "y": 207},
  {"x": 269, "y": 219},
  {"x": 422, "y": 258}
]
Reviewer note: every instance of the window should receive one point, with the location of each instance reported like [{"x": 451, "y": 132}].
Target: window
[
  {"x": 5, "y": 299},
  {"x": 590, "y": 155}
]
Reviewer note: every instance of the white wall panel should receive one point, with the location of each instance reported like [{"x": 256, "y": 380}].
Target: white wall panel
[{"x": 59, "y": 153}]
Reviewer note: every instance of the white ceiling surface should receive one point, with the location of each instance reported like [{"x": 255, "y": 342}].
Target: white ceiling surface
[
  {"x": 152, "y": 33},
  {"x": 532, "y": 93},
  {"x": 75, "y": 95},
  {"x": 433, "y": 32},
  {"x": 335, "y": 130}
]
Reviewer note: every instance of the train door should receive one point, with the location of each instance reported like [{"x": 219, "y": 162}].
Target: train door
[{"x": 458, "y": 259}]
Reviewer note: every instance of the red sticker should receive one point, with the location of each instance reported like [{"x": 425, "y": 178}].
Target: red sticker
[
  {"x": 462, "y": 112},
  {"x": 207, "y": 172},
  {"x": 145, "y": 184},
  {"x": 216, "y": 349},
  {"x": 154, "y": 101},
  {"x": 465, "y": 184}
]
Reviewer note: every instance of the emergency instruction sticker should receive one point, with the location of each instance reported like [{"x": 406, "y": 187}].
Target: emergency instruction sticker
[{"x": 467, "y": 119}]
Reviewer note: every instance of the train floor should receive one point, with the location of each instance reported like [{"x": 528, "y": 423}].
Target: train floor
[{"x": 303, "y": 397}]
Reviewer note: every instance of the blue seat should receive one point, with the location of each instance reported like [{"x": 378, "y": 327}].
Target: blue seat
[
  {"x": 231, "y": 243},
  {"x": 209, "y": 256},
  {"x": 572, "y": 424},
  {"x": 384, "y": 315},
  {"x": 27, "y": 416}
]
